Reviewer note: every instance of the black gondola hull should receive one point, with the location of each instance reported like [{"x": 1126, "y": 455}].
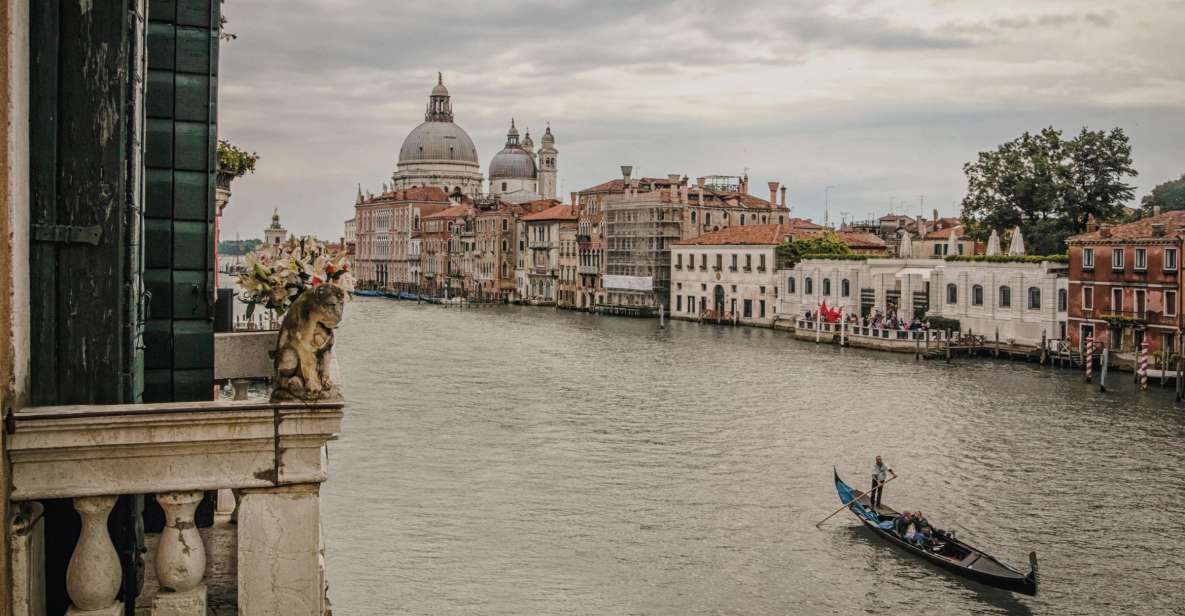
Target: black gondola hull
[{"x": 1010, "y": 579}]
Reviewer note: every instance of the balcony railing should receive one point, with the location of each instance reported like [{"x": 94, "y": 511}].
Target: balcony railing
[
  {"x": 270, "y": 454},
  {"x": 589, "y": 269},
  {"x": 537, "y": 245}
]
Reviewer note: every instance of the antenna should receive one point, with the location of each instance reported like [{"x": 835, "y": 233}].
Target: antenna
[{"x": 827, "y": 206}]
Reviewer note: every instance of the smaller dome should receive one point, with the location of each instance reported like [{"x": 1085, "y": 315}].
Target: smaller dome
[
  {"x": 512, "y": 162},
  {"x": 548, "y": 138}
]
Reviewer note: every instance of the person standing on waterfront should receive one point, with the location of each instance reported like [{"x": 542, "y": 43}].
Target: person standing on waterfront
[{"x": 880, "y": 473}]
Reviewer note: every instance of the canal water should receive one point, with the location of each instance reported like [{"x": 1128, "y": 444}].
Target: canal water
[{"x": 531, "y": 461}]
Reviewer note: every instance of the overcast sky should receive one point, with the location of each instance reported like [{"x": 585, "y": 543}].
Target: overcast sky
[{"x": 882, "y": 100}]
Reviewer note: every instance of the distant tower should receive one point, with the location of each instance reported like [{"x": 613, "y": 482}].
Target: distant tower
[
  {"x": 547, "y": 165},
  {"x": 529, "y": 144},
  {"x": 275, "y": 233}
]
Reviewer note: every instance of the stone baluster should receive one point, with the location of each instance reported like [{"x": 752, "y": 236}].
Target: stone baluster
[
  {"x": 93, "y": 577},
  {"x": 180, "y": 558}
]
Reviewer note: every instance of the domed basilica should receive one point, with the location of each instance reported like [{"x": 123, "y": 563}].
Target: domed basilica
[{"x": 440, "y": 153}]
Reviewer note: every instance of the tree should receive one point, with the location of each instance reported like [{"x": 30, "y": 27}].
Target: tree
[
  {"x": 791, "y": 251},
  {"x": 1048, "y": 186},
  {"x": 1167, "y": 196}
]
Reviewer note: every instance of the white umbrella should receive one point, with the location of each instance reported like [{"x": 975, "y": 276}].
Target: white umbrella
[
  {"x": 952, "y": 243},
  {"x": 993, "y": 248},
  {"x": 1016, "y": 248},
  {"x": 905, "y": 246}
]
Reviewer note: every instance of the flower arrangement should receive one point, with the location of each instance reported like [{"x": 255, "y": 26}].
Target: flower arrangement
[
  {"x": 234, "y": 162},
  {"x": 276, "y": 275}
]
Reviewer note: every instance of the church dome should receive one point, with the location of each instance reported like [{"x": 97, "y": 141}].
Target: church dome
[
  {"x": 438, "y": 141},
  {"x": 512, "y": 162}
]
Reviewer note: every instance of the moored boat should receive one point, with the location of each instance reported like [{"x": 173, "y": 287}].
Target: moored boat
[
  {"x": 367, "y": 293},
  {"x": 946, "y": 552}
]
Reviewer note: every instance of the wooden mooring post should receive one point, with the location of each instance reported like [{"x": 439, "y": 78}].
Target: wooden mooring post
[
  {"x": 997, "y": 350},
  {"x": 1105, "y": 352},
  {"x": 1044, "y": 349}
]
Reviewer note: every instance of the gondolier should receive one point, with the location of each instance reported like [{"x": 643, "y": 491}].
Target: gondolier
[{"x": 880, "y": 474}]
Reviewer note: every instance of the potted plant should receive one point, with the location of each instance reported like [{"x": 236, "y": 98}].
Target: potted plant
[{"x": 233, "y": 163}]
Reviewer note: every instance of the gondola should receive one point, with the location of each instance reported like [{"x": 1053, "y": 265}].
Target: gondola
[
  {"x": 367, "y": 293},
  {"x": 949, "y": 553}
]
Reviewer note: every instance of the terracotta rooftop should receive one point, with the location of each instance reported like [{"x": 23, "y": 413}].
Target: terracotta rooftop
[
  {"x": 747, "y": 235},
  {"x": 415, "y": 193},
  {"x": 455, "y": 211},
  {"x": 1138, "y": 230},
  {"x": 942, "y": 234},
  {"x": 558, "y": 212},
  {"x": 855, "y": 239}
]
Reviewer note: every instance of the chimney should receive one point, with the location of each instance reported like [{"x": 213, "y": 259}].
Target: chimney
[
  {"x": 745, "y": 184},
  {"x": 1105, "y": 231},
  {"x": 773, "y": 194},
  {"x": 626, "y": 172},
  {"x": 1092, "y": 226},
  {"x": 1158, "y": 229},
  {"x": 699, "y": 183},
  {"x": 573, "y": 199},
  {"x": 784, "y": 197},
  {"x": 935, "y": 213},
  {"x": 1156, "y": 210}
]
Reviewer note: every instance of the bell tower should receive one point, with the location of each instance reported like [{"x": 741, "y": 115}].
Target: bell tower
[{"x": 547, "y": 165}]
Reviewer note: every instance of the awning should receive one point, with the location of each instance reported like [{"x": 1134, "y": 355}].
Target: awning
[{"x": 924, "y": 272}]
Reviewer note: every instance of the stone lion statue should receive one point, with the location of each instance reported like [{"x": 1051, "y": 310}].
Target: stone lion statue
[{"x": 304, "y": 350}]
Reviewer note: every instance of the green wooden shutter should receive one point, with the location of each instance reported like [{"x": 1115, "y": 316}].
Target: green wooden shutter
[{"x": 180, "y": 163}]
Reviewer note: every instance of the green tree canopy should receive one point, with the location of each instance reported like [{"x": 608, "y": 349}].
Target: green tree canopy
[
  {"x": 792, "y": 251},
  {"x": 1049, "y": 186},
  {"x": 1168, "y": 196}
]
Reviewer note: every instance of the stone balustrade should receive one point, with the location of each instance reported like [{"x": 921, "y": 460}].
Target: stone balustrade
[{"x": 270, "y": 453}]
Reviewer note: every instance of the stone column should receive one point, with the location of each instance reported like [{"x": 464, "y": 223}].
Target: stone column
[
  {"x": 180, "y": 558},
  {"x": 93, "y": 576},
  {"x": 279, "y": 556},
  {"x": 27, "y": 535}
]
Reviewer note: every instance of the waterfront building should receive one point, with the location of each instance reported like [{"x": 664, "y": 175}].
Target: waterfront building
[
  {"x": 936, "y": 243},
  {"x": 350, "y": 238},
  {"x": 438, "y": 263},
  {"x": 1023, "y": 301},
  {"x": 495, "y": 249},
  {"x": 384, "y": 227},
  {"x": 569, "y": 260},
  {"x": 729, "y": 275},
  {"x": 439, "y": 152},
  {"x": 540, "y": 234},
  {"x": 643, "y": 217},
  {"x": 1125, "y": 284},
  {"x": 275, "y": 233},
  {"x": 590, "y": 251}
]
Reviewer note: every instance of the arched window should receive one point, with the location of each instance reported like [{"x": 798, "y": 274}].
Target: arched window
[
  {"x": 1005, "y": 297},
  {"x": 845, "y": 288},
  {"x": 976, "y": 295},
  {"x": 826, "y": 286},
  {"x": 1061, "y": 300},
  {"x": 707, "y": 218},
  {"x": 504, "y": 246},
  {"x": 693, "y": 218},
  {"x": 808, "y": 286},
  {"x": 503, "y": 186},
  {"x": 1034, "y": 298},
  {"x": 742, "y": 219},
  {"x": 952, "y": 293},
  {"x": 781, "y": 219},
  {"x": 763, "y": 220},
  {"x": 790, "y": 284}
]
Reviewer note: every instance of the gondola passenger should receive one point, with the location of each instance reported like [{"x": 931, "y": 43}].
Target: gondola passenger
[{"x": 901, "y": 524}]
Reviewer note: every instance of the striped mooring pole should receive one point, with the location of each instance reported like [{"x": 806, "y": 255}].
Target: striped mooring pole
[
  {"x": 1144, "y": 366},
  {"x": 1089, "y": 359}
]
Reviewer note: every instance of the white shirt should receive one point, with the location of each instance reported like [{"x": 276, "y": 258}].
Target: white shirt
[{"x": 880, "y": 471}]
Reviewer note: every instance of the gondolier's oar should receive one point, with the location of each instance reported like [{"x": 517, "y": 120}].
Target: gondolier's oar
[{"x": 854, "y": 499}]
